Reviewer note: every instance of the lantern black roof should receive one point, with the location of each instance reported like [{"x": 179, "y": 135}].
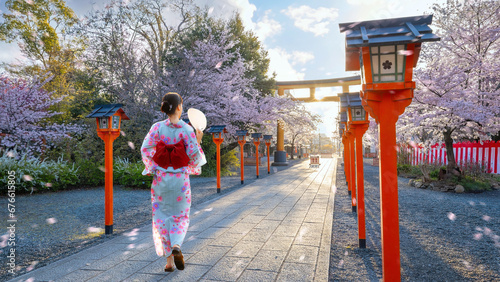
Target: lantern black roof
[
  {"x": 107, "y": 111},
  {"x": 256, "y": 135},
  {"x": 241, "y": 132},
  {"x": 343, "y": 116},
  {"x": 389, "y": 31},
  {"x": 350, "y": 100},
  {"x": 267, "y": 137},
  {"x": 385, "y": 32},
  {"x": 217, "y": 129}
]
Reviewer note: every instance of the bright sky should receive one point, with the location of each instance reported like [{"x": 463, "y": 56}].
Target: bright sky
[{"x": 301, "y": 36}]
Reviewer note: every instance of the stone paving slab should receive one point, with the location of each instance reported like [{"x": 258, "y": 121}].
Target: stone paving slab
[{"x": 275, "y": 229}]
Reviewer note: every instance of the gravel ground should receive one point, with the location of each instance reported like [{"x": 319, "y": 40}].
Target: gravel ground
[
  {"x": 443, "y": 236},
  {"x": 57, "y": 224}
]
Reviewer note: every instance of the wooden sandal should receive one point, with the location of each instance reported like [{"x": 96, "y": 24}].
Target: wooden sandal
[{"x": 178, "y": 258}]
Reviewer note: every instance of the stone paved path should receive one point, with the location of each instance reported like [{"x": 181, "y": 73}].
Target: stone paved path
[{"x": 275, "y": 229}]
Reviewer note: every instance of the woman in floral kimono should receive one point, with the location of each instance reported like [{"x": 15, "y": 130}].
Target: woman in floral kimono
[{"x": 171, "y": 151}]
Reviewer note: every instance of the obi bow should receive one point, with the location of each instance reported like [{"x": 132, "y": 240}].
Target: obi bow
[{"x": 173, "y": 155}]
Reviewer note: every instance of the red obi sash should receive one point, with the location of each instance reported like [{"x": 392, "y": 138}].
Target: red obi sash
[{"x": 173, "y": 155}]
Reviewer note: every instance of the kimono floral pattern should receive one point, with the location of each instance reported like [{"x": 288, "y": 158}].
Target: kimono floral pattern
[{"x": 171, "y": 189}]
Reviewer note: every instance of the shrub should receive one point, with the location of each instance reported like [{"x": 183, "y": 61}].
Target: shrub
[
  {"x": 434, "y": 174},
  {"x": 474, "y": 185},
  {"x": 415, "y": 170},
  {"x": 409, "y": 170},
  {"x": 130, "y": 174},
  {"x": 404, "y": 168},
  {"x": 474, "y": 169},
  {"x": 32, "y": 174},
  {"x": 90, "y": 173},
  {"x": 228, "y": 160}
]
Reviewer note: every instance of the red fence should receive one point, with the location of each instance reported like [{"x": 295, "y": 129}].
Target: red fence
[{"x": 485, "y": 153}]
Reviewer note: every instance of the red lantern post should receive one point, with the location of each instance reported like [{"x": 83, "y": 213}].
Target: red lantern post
[
  {"x": 256, "y": 141},
  {"x": 347, "y": 160},
  {"x": 241, "y": 140},
  {"x": 268, "y": 139},
  {"x": 386, "y": 51},
  {"x": 108, "y": 119},
  {"x": 358, "y": 124},
  {"x": 352, "y": 166},
  {"x": 217, "y": 135}
]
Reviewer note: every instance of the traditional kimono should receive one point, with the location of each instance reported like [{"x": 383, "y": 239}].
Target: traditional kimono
[{"x": 171, "y": 191}]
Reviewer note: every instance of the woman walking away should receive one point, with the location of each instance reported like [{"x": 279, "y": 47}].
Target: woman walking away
[{"x": 171, "y": 151}]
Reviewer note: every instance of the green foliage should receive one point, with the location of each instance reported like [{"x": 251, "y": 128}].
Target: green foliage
[
  {"x": 470, "y": 184},
  {"x": 228, "y": 160},
  {"x": 130, "y": 174},
  {"x": 250, "y": 49},
  {"x": 407, "y": 170},
  {"x": 35, "y": 24},
  {"x": 434, "y": 173},
  {"x": 90, "y": 174},
  {"x": 41, "y": 29},
  {"x": 36, "y": 175},
  {"x": 474, "y": 185},
  {"x": 404, "y": 168}
]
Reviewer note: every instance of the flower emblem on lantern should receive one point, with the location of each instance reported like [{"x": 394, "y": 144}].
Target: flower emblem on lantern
[{"x": 387, "y": 65}]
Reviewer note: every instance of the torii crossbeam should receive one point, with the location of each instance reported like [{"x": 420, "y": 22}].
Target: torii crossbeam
[{"x": 344, "y": 82}]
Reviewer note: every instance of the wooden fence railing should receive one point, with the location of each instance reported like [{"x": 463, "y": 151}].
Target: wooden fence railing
[{"x": 484, "y": 153}]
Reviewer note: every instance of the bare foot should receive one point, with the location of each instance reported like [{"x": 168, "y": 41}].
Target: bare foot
[{"x": 170, "y": 262}]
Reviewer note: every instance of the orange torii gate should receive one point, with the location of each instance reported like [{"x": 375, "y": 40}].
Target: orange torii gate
[{"x": 344, "y": 82}]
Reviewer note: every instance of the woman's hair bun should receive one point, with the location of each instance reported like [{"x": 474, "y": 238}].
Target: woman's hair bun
[{"x": 170, "y": 102}]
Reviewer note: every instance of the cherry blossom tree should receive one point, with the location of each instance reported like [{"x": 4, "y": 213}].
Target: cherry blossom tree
[
  {"x": 300, "y": 125},
  {"x": 370, "y": 138},
  {"x": 211, "y": 79},
  {"x": 458, "y": 78},
  {"x": 24, "y": 109},
  {"x": 138, "y": 58}
]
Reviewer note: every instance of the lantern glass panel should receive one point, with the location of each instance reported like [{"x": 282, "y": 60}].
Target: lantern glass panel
[
  {"x": 103, "y": 123},
  {"x": 358, "y": 114},
  {"x": 375, "y": 67},
  {"x": 387, "y": 49},
  {"x": 400, "y": 61},
  {"x": 217, "y": 135},
  {"x": 388, "y": 63},
  {"x": 116, "y": 122}
]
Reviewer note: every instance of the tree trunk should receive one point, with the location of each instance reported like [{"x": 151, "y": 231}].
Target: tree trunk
[
  {"x": 229, "y": 147},
  {"x": 291, "y": 155},
  {"x": 451, "y": 168}
]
